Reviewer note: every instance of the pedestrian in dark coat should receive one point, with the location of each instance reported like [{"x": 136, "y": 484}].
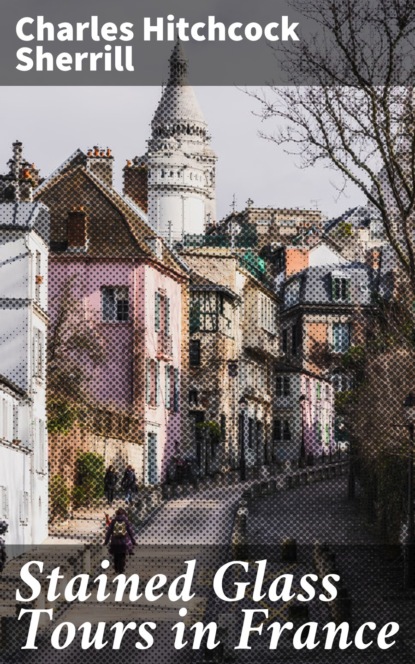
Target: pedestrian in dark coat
[
  {"x": 110, "y": 482},
  {"x": 121, "y": 539},
  {"x": 129, "y": 483}
]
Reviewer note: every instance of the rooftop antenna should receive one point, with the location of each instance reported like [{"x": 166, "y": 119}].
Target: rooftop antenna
[
  {"x": 233, "y": 204},
  {"x": 316, "y": 201}
]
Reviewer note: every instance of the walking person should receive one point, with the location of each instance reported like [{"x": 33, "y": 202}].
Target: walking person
[
  {"x": 110, "y": 481},
  {"x": 121, "y": 538},
  {"x": 129, "y": 483}
]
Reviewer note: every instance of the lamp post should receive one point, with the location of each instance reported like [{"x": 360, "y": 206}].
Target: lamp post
[
  {"x": 242, "y": 466},
  {"x": 409, "y": 405},
  {"x": 301, "y": 401}
]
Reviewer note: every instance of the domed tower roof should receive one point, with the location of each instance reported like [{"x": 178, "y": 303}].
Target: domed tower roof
[{"x": 178, "y": 107}]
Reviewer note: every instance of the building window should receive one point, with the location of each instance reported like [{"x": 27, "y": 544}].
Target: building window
[
  {"x": 282, "y": 431},
  {"x": 76, "y": 229},
  {"x": 38, "y": 276},
  {"x": 115, "y": 305},
  {"x": 296, "y": 340},
  {"x": 223, "y": 427},
  {"x": 205, "y": 308},
  {"x": 4, "y": 502},
  {"x": 40, "y": 446},
  {"x": 250, "y": 433},
  {"x": 153, "y": 383},
  {"x": 341, "y": 337},
  {"x": 15, "y": 422},
  {"x": 38, "y": 354},
  {"x": 24, "y": 508},
  {"x": 283, "y": 386},
  {"x": 167, "y": 385},
  {"x": 285, "y": 341},
  {"x": 268, "y": 314},
  {"x": 193, "y": 398},
  {"x": 162, "y": 313},
  {"x": 176, "y": 391},
  {"x": 340, "y": 287},
  {"x": 194, "y": 352},
  {"x": 318, "y": 390}
]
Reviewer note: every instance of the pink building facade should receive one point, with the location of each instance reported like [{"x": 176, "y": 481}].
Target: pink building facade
[
  {"x": 121, "y": 294},
  {"x": 303, "y": 416}
]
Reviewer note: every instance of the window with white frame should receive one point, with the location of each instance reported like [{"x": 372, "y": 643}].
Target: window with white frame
[
  {"x": 15, "y": 421},
  {"x": 6, "y": 419},
  {"x": 4, "y": 502},
  {"x": 38, "y": 275},
  {"x": 24, "y": 508},
  {"x": 40, "y": 446},
  {"x": 38, "y": 354},
  {"x": 341, "y": 337},
  {"x": 115, "y": 304},
  {"x": 340, "y": 288},
  {"x": 153, "y": 383},
  {"x": 162, "y": 313},
  {"x": 267, "y": 314}
]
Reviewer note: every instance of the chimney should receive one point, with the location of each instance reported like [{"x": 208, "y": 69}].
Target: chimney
[
  {"x": 136, "y": 182},
  {"x": 296, "y": 260},
  {"x": 101, "y": 163}
]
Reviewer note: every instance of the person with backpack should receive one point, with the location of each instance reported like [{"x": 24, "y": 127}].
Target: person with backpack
[
  {"x": 129, "y": 483},
  {"x": 110, "y": 481},
  {"x": 121, "y": 538}
]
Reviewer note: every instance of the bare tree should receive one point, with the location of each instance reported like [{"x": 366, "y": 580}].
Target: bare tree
[{"x": 355, "y": 112}]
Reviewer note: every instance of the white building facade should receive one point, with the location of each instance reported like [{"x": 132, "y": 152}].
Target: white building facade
[{"x": 24, "y": 231}]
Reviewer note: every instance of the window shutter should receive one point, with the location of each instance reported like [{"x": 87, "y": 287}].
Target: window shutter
[
  {"x": 157, "y": 385},
  {"x": 148, "y": 381},
  {"x": 167, "y": 386},
  {"x": 157, "y": 312},
  {"x": 176, "y": 390},
  {"x": 4, "y": 502},
  {"x": 167, "y": 314}
]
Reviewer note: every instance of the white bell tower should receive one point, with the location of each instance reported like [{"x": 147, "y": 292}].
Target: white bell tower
[{"x": 180, "y": 161}]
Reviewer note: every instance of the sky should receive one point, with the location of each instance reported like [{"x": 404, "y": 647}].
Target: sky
[{"x": 53, "y": 121}]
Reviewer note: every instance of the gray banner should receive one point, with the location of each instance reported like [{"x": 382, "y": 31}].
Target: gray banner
[{"x": 250, "y": 54}]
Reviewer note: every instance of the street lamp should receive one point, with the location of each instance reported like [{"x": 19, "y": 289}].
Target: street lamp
[
  {"x": 409, "y": 405},
  {"x": 242, "y": 466},
  {"x": 302, "y": 401}
]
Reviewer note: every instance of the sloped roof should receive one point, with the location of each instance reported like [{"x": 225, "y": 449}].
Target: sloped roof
[
  {"x": 315, "y": 285},
  {"x": 25, "y": 216},
  {"x": 134, "y": 217}
]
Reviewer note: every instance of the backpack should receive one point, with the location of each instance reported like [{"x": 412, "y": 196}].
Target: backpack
[{"x": 120, "y": 529}]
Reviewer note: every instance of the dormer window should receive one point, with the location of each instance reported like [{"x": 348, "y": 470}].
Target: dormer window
[
  {"x": 76, "y": 229},
  {"x": 340, "y": 288}
]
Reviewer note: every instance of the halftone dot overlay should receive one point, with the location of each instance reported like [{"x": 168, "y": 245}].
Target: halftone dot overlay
[{"x": 174, "y": 387}]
